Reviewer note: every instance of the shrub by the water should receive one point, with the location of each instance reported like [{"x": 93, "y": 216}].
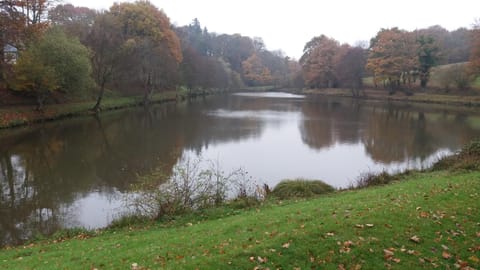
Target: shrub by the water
[
  {"x": 373, "y": 179},
  {"x": 472, "y": 148},
  {"x": 193, "y": 184},
  {"x": 300, "y": 188},
  {"x": 466, "y": 159}
]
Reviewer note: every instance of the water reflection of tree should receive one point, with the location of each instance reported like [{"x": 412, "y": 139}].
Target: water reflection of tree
[
  {"x": 26, "y": 206},
  {"x": 390, "y": 132},
  {"x": 397, "y": 134},
  {"x": 327, "y": 122},
  {"x": 61, "y": 162}
]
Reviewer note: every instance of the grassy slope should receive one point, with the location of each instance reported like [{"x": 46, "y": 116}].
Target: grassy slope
[{"x": 442, "y": 209}]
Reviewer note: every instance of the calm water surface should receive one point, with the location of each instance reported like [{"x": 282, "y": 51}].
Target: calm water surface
[{"x": 77, "y": 172}]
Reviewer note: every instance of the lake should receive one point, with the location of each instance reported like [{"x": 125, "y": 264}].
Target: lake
[{"x": 78, "y": 172}]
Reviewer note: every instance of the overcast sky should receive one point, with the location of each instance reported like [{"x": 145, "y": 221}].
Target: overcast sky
[{"x": 289, "y": 24}]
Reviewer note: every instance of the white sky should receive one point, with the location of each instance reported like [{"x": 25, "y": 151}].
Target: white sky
[{"x": 288, "y": 25}]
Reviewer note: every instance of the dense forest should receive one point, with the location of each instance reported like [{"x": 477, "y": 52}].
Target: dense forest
[{"x": 62, "y": 53}]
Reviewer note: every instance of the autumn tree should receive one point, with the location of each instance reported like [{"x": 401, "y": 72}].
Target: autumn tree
[
  {"x": 392, "y": 58},
  {"x": 234, "y": 49},
  {"x": 104, "y": 41},
  {"x": 50, "y": 63},
  {"x": 457, "y": 46},
  {"x": 453, "y": 46},
  {"x": 24, "y": 19},
  {"x": 255, "y": 72},
  {"x": 194, "y": 37},
  {"x": 474, "y": 64},
  {"x": 20, "y": 21},
  {"x": 76, "y": 21},
  {"x": 34, "y": 76},
  {"x": 318, "y": 62},
  {"x": 150, "y": 51},
  {"x": 200, "y": 69},
  {"x": 350, "y": 68},
  {"x": 239, "y": 59}
]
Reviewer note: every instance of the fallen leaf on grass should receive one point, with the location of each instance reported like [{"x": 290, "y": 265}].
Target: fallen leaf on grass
[
  {"x": 415, "y": 239},
  {"x": 412, "y": 252},
  {"x": 262, "y": 260},
  {"x": 347, "y": 243},
  {"x": 369, "y": 225},
  {"x": 286, "y": 245},
  {"x": 462, "y": 265},
  {"x": 387, "y": 254},
  {"x": 474, "y": 259},
  {"x": 360, "y": 226},
  {"x": 446, "y": 255},
  {"x": 424, "y": 214}
]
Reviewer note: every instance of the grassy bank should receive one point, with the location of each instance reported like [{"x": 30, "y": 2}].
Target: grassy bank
[
  {"x": 24, "y": 115},
  {"x": 419, "y": 97},
  {"x": 427, "y": 220}
]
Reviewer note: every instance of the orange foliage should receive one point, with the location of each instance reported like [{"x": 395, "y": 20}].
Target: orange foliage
[
  {"x": 475, "y": 52},
  {"x": 255, "y": 71},
  {"x": 318, "y": 62},
  {"x": 154, "y": 24},
  {"x": 393, "y": 55}
]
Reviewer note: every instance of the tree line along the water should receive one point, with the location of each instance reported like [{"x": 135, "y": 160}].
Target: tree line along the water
[
  {"x": 66, "y": 53},
  {"x": 395, "y": 59}
]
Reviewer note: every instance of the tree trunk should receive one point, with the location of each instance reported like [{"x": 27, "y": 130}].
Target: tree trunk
[
  {"x": 147, "y": 96},
  {"x": 96, "y": 108},
  {"x": 423, "y": 82},
  {"x": 148, "y": 89},
  {"x": 40, "y": 101}
]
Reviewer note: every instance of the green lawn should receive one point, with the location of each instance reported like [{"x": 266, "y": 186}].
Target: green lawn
[{"x": 428, "y": 220}]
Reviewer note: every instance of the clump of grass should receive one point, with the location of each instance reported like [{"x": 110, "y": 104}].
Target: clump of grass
[
  {"x": 472, "y": 148},
  {"x": 300, "y": 188},
  {"x": 370, "y": 179},
  {"x": 468, "y": 158},
  {"x": 129, "y": 220},
  {"x": 244, "y": 202}
]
